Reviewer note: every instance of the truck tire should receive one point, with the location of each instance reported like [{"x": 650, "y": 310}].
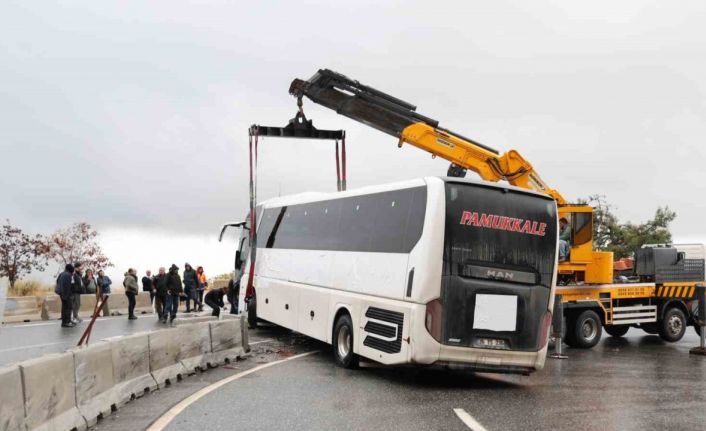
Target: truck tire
[
  {"x": 673, "y": 325},
  {"x": 569, "y": 329},
  {"x": 587, "y": 330},
  {"x": 650, "y": 328},
  {"x": 342, "y": 342},
  {"x": 616, "y": 330}
]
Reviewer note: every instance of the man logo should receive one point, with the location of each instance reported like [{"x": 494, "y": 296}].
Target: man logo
[{"x": 500, "y": 275}]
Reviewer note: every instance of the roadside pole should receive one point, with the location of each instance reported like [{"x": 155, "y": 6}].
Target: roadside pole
[
  {"x": 557, "y": 326},
  {"x": 701, "y": 295},
  {"x": 3, "y": 296}
]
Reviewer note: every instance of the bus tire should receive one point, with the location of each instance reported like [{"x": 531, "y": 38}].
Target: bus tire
[
  {"x": 587, "y": 329},
  {"x": 616, "y": 330},
  {"x": 342, "y": 343},
  {"x": 673, "y": 325},
  {"x": 569, "y": 329},
  {"x": 252, "y": 313}
]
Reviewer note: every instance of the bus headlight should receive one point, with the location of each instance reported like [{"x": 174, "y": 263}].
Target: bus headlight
[{"x": 432, "y": 320}]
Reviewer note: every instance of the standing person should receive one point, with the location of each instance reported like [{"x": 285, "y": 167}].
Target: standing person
[
  {"x": 104, "y": 283},
  {"x": 89, "y": 283},
  {"x": 191, "y": 284},
  {"x": 77, "y": 288},
  {"x": 130, "y": 284},
  {"x": 214, "y": 299},
  {"x": 564, "y": 239},
  {"x": 160, "y": 295},
  {"x": 63, "y": 289},
  {"x": 173, "y": 291},
  {"x": 233, "y": 294},
  {"x": 148, "y": 285},
  {"x": 203, "y": 284}
]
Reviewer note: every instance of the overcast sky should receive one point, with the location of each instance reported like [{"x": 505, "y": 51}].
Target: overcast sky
[{"x": 133, "y": 116}]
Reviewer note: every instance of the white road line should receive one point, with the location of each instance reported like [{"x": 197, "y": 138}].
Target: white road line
[
  {"x": 261, "y": 341},
  {"x": 167, "y": 417},
  {"x": 33, "y": 346},
  {"x": 467, "y": 419}
]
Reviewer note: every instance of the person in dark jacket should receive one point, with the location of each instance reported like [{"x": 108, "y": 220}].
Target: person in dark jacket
[
  {"x": 63, "y": 289},
  {"x": 104, "y": 283},
  {"x": 233, "y": 294},
  {"x": 77, "y": 289},
  {"x": 148, "y": 285},
  {"x": 130, "y": 284},
  {"x": 160, "y": 295},
  {"x": 174, "y": 289},
  {"x": 191, "y": 284},
  {"x": 214, "y": 299}
]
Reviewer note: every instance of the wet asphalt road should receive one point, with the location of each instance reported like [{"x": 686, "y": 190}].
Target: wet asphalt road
[
  {"x": 30, "y": 340},
  {"x": 634, "y": 383}
]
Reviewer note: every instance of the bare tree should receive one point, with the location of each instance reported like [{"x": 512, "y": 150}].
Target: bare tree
[
  {"x": 20, "y": 253},
  {"x": 77, "y": 243}
]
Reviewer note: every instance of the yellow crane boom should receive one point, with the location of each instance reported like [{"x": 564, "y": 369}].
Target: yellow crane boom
[{"x": 400, "y": 119}]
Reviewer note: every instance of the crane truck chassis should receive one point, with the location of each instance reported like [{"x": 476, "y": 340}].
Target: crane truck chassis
[{"x": 662, "y": 300}]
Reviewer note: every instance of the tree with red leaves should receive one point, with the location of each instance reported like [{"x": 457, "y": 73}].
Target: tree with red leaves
[
  {"x": 77, "y": 243},
  {"x": 20, "y": 253}
]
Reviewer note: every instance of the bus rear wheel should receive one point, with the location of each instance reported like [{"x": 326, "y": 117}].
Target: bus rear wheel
[
  {"x": 586, "y": 330},
  {"x": 342, "y": 343},
  {"x": 616, "y": 330},
  {"x": 673, "y": 325}
]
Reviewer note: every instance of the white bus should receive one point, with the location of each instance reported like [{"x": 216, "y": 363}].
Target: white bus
[{"x": 443, "y": 271}]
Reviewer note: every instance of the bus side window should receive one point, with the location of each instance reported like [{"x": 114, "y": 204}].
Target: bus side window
[{"x": 582, "y": 228}]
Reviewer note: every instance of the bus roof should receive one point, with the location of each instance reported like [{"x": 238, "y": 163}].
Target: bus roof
[{"x": 416, "y": 182}]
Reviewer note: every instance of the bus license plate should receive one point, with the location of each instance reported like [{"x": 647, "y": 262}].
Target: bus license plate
[{"x": 495, "y": 312}]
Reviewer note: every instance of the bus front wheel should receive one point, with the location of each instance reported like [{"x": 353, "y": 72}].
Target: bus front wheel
[{"x": 343, "y": 343}]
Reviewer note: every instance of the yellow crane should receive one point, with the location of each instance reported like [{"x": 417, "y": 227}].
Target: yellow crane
[{"x": 400, "y": 119}]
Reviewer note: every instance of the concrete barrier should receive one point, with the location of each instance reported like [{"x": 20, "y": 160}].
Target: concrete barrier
[
  {"x": 50, "y": 393},
  {"x": 119, "y": 304},
  {"x": 12, "y": 406},
  {"x": 164, "y": 355},
  {"x": 95, "y": 383},
  {"x": 131, "y": 366},
  {"x": 194, "y": 347},
  {"x": 51, "y": 307},
  {"x": 88, "y": 304},
  {"x": 182, "y": 320},
  {"x": 226, "y": 341},
  {"x": 21, "y": 309},
  {"x": 143, "y": 303}
]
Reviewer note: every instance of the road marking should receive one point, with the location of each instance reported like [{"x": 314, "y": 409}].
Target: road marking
[
  {"x": 261, "y": 341},
  {"x": 167, "y": 417},
  {"x": 34, "y": 346},
  {"x": 467, "y": 419}
]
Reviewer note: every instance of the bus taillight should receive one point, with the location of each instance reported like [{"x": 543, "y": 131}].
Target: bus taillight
[
  {"x": 544, "y": 333},
  {"x": 432, "y": 319}
]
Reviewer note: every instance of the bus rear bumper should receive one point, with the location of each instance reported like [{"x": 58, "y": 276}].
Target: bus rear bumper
[{"x": 491, "y": 361}]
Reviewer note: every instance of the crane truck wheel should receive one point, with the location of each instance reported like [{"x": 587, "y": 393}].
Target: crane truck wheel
[
  {"x": 616, "y": 330},
  {"x": 673, "y": 325},
  {"x": 587, "y": 330}
]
